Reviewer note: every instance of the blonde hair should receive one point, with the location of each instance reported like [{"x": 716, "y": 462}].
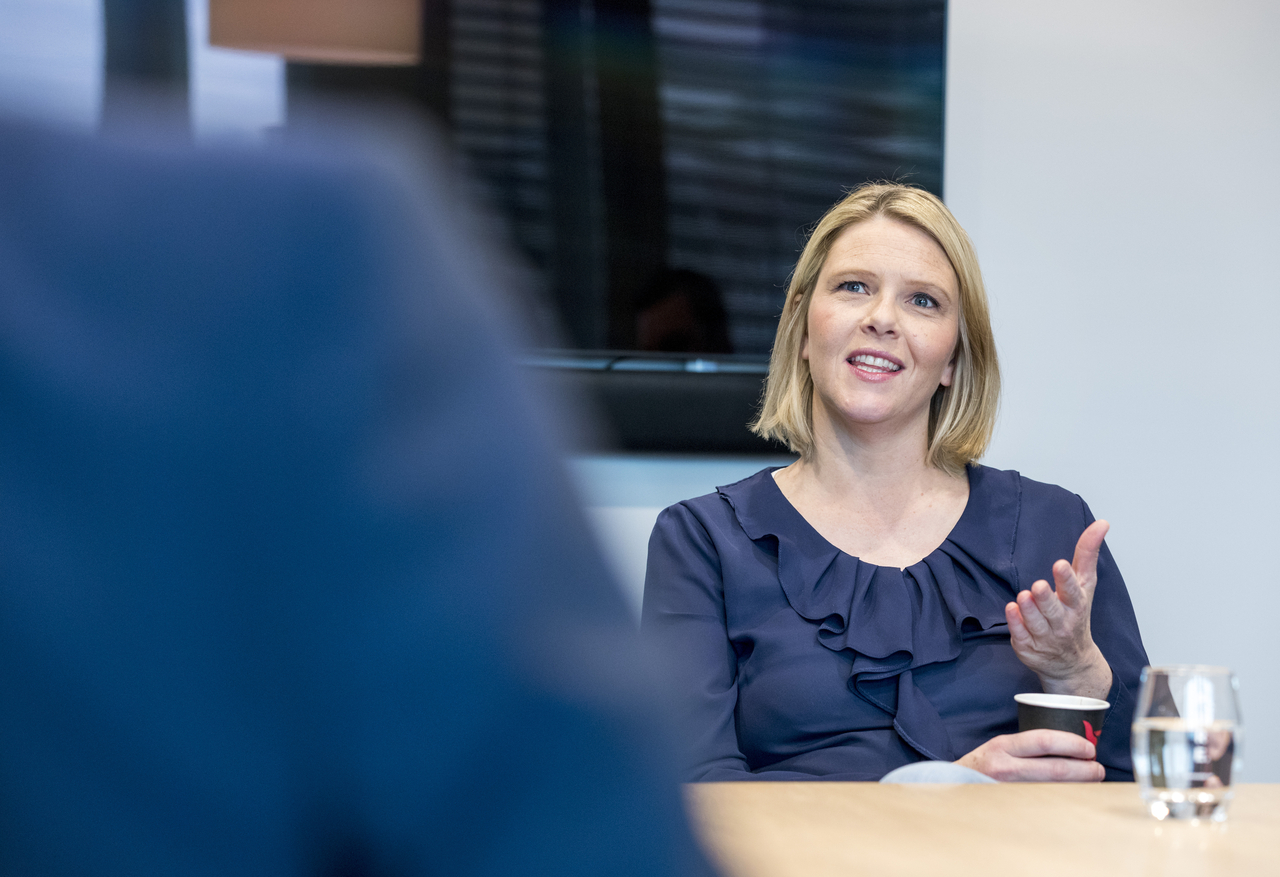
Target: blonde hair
[{"x": 961, "y": 416}]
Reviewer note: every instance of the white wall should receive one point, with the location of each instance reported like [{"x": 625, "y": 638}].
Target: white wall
[
  {"x": 1118, "y": 165},
  {"x": 51, "y": 61},
  {"x": 51, "y": 57},
  {"x": 624, "y": 494}
]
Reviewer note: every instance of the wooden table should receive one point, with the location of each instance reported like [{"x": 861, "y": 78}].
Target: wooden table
[{"x": 765, "y": 829}]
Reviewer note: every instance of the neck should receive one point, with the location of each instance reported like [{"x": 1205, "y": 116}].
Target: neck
[{"x": 880, "y": 465}]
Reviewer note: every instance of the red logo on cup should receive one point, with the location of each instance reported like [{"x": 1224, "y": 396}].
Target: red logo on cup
[{"x": 1090, "y": 734}]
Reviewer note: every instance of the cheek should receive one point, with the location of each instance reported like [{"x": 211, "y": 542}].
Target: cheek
[{"x": 819, "y": 336}]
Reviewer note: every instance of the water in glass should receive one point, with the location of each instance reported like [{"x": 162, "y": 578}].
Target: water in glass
[{"x": 1186, "y": 741}]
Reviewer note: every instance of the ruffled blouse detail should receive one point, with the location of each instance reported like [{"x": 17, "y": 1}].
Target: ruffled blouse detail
[{"x": 893, "y": 621}]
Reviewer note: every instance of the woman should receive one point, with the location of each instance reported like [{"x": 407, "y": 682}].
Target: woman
[{"x": 880, "y": 601}]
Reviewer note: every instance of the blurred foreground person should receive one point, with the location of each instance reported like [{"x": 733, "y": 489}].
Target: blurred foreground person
[{"x": 290, "y": 578}]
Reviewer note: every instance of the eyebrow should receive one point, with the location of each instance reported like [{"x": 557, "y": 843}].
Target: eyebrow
[{"x": 914, "y": 284}]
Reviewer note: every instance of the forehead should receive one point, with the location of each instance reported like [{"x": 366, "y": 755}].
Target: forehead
[{"x": 889, "y": 247}]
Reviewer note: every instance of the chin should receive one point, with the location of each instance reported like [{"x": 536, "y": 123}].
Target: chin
[{"x": 862, "y": 416}]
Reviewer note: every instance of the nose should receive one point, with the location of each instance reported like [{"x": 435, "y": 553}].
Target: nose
[{"x": 881, "y": 317}]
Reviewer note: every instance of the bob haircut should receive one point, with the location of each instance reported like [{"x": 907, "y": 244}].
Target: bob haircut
[{"x": 961, "y": 416}]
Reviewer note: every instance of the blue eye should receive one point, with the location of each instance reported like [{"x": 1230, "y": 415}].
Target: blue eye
[
  {"x": 921, "y": 300},
  {"x": 853, "y": 286}
]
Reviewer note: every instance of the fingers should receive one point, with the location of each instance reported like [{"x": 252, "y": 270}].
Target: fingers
[
  {"x": 1049, "y": 626},
  {"x": 1037, "y": 756},
  {"x": 1035, "y": 616},
  {"x": 1054, "y": 770},
  {"x": 1017, "y": 629},
  {"x": 1047, "y": 608},
  {"x": 1073, "y": 585},
  {"x": 1042, "y": 742},
  {"x": 1040, "y": 613},
  {"x": 1022, "y": 640},
  {"x": 1085, "y": 561},
  {"x": 1070, "y": 588}
]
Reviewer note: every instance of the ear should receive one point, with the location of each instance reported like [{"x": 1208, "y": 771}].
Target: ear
[
  {"x": 804, "y": 346},
  {"x": 949, "y": 373}
]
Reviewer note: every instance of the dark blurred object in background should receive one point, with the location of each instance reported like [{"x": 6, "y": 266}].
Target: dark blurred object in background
[
  {"x": 682, "y": 311},
  {"x": 618, "y": 138},
  {"x": 145, "y": 65},
  {"x": 293, "y": 582},
  {"x": 611, "y": 139}
]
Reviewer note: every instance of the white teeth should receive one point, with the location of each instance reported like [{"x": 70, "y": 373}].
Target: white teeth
[{"x": 877, "y": 362}]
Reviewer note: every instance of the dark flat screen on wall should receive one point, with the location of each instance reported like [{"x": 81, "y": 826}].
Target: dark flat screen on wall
[{"x": 660, "y": 161}]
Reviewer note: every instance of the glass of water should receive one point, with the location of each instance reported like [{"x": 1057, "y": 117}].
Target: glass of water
[{"x": 1186, "y": 740}]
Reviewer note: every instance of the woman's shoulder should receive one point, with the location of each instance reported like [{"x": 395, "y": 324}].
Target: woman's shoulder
[
  {"x": 1042, "y": 520},
  {"x": 1028, "y": 492},
  {"x": 1017, "y": 526},
  {"x": 729, "y": 505}
]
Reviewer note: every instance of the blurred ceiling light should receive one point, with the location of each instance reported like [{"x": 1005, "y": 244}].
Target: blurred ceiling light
[{"x": 366, "y": 32}]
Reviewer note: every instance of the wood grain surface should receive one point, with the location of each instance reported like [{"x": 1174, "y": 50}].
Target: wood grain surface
[{"x": 765, "y": 829}]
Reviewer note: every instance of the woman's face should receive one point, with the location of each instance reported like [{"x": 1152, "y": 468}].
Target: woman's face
[{"x": 883, "y": 323}]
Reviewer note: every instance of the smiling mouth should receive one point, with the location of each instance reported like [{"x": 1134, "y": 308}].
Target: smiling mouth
[{"x": 875, "y": 363}]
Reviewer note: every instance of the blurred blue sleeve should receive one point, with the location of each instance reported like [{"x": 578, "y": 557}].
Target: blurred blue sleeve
[{"x": 291, "y": 578}]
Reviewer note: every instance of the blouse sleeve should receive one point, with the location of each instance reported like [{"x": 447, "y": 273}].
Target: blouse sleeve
[
  {"x": 684, "y": 613},
  {"x": 1050, "y": 522},
  {"x": 1115, "y": 629}
]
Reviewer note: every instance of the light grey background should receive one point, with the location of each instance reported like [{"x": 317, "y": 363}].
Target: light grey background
[
  {"x": 1118, "y": 166},
  {"x": 1116, "y": 163},
  {"x": 51, "y": 55}
]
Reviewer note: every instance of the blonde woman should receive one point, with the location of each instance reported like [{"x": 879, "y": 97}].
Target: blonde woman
[{"x": 879, "y": 602}]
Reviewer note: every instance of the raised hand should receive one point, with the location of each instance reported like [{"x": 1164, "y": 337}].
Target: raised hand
[{"x": 1050, "y": 631}]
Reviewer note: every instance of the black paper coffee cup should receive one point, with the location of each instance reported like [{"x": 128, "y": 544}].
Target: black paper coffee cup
[{"x": 1062, "y": 712}]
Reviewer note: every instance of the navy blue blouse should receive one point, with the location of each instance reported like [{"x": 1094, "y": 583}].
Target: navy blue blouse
[{"x": 798, "y": 661}]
